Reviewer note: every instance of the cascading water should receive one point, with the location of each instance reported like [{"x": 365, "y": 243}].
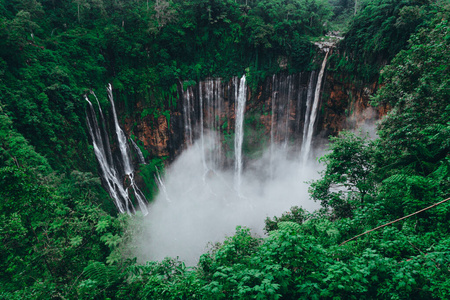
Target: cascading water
[
  {"x": 293, "y": 108},
  {"x": 239, "y": 131},
  {"x": 211, "y": 104},
  {"x": 306, "y": 148},
  {"x": 107, "y": 147},
  {"x": 140, "y": 156},
  {"x": 121, "y": 138},
  {"x": 200, "y": 199},
  {"x": 309, "y": 98},
  {"x": 202, "y": 129},
  {"x": 286, "y": 109},
  {"x": 187, "y": 109},
  {"x": 287, "y": 86},
  {"x": 290, "y": 108},
  {"x": 272, "y": 124},
  {"x": 108, "y": 171},
  {"x": 161, "y": 185},
  {"x": 113, "y": 182},
  {"x": 213, "y": 98}
]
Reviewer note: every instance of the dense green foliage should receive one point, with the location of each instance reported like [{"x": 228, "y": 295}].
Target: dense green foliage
[
  {"x": 55, "y": 217},
  {"x": 366, "y": 183},
  {"x": 379, "y": 31},
  {"x": 60, "y": 238},
  {"x": 51, "y": 52}
]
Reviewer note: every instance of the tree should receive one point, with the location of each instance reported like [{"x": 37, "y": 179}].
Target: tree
[
  {"x": 416, "y": 86},
  {"x": 348, "y": 179}
]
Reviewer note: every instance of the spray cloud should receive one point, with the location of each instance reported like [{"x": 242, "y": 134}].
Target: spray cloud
[{"x": 201, "y": 205}]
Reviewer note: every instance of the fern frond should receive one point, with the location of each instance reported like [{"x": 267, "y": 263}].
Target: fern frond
[
  {"x": 289, "y": 226},
  {"x": 102, "y": 274}
]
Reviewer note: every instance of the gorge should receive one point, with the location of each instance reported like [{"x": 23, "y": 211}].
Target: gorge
[{"x": 213, "y": 185}]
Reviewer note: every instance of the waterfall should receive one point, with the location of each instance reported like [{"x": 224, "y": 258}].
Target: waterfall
[
  {"x": 139, "y": 196},
  {"x": 211, "y": 98},
  {"x": 108, "y": 172},
  {"x": 161, "y": 185},
  {"x": 202, "y": 138},
  {"x": 287, "y": 88},
  {"x": 104, "y": 133},
  {"x": 309, "y": 97},
  {"x": 187, "y": 109},
  {"x": 284, "y": 94},
  {"x": 113, "y": 182},
  {"x": 272, "y": 122},
  {"x": 306, "y": 146},
  {"x": 140, "y": 156},
  {"x": 239, "y": 131},
  {"x": 123, "y": 146}
]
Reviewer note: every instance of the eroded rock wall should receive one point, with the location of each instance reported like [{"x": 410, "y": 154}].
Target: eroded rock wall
[{"x": 279, "y": 104}]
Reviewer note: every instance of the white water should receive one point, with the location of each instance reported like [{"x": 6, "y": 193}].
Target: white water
[
  {"x": 161, "y": 185},
  {"x": 239, "y": 131},
  {"x": 288, "y": 111},
  {"x": 188, "y": 108},
  {"x": 107, "y": 147},
  {"x": 202, "y": 128},
  {"x": 126, "y": 161},
  {"x": 309, "y": 98},
  {"x": 272, "y": 133},
  {"x": 138, "y": 152},
  {"x": 306, "y": 146},
  {"x": 115, "y": 184},
  {"x": 123, "y": 145}
]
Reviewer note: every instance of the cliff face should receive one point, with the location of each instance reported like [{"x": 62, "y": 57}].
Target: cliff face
[
  {"x": 276, "y": 111},
  {"x": 159, "y": 135},
  {"x": 346, "y": 105},
  {"x": 287, "y": 111}
]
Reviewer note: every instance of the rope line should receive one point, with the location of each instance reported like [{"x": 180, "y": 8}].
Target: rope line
[{"x": 395, "y": 221}]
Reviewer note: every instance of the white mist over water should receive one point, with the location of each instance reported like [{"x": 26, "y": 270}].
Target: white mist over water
[{"x": 206, "y": 208}]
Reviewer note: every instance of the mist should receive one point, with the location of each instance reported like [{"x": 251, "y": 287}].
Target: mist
[
  {"x": 366, "y": 124},
  {"x": 197, "y": 205}
]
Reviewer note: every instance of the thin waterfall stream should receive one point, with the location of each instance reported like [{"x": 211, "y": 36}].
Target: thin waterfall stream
[
  {"x": 138, "y": 151},
  {"x": 239, "y": 132},
  {"x": 312, "y": 119}
]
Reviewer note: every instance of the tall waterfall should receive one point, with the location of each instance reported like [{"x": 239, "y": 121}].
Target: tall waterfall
[
  {"x": 306, "y": 146},
  {"x": 309, "y": 98},
  {"x": 203, "y": 110},
  {"x": 110, "y": 170},
  {"x": 239, "y": 131},
  {"x": 107, "y": 147},
  {"x": 212, "y": 109},
  {"x": 121, "y": 138},
  {"x": 200, "y": 200},
  {"x": 202, "y": 129},
  {"x": 188, "y": 109},
  {"x": 289, "y": 113}
]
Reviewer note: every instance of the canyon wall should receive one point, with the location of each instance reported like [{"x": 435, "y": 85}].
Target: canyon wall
[{"x": 276, "y": 111}]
